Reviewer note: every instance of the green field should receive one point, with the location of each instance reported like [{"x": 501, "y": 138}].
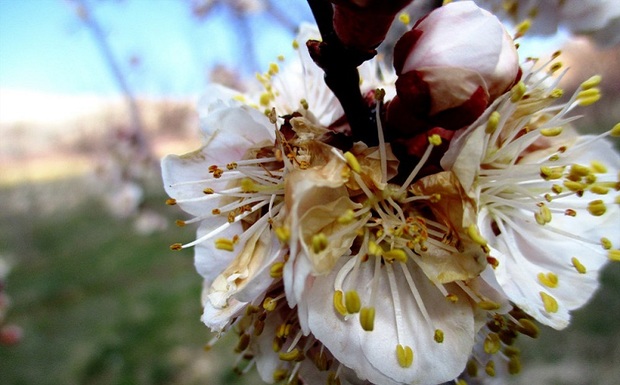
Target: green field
[{"x": 100, "y": 304}]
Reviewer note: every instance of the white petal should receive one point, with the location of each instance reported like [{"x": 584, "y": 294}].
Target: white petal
[{"x": 372, "y": 355}]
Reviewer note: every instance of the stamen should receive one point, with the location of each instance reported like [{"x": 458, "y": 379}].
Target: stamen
[{"x": 550, "y": 303}]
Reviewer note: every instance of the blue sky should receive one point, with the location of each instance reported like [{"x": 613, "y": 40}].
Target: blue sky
[{"x": 44, "y": 47}]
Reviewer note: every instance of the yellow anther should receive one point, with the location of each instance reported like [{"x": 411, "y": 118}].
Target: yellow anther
[
  {"x": 295, "y": 44},
  {"x": 445, "y": 2},
  {"x": 489, "y": 305},
  {"x": 374, "y": 249},
  {"x": 244, "y": 342},
  {"x": 333, "y": 379},
  {"x": 248, "y": 185},
  {"x": 471, "y": 368},
  {"x": 555, "y": 67},
  {"x": 597, "y": 208},
  {"x": 179, "y": 223},
  {"x": 434, "y": 140},
  {"x": 514, "y": 365},
  {"x": 224, "y": 244},
  {"x": 280, "y": 374},
  {"x": 277, "y": 344},
  {"x": 352, "y": 302},
  {"x": 475, "y": 235},
  {"x": 556, "y": 93},
  {"x": 492, "y": 343},
  {"x": 588, "y": 97},
  {"x": 270, "y": 304},
  {"x": 304, "y": 104},
  {"x": 452, "y": 298},
  {"x": 551, "y": 131},
  {"x": 171, "y": 202},
  {"x": 239, "y": 98},
  {"x": 404, "y": 355},
  {"x": 395, "y": 254},
  {"x": 347, "y": 217},
  {"x": 549, "y": 279},
  {"x": 598, "y": 167},
  {"x": 276, "y": 270},
  {"x": 208, "y": 191},
  {"x": 599, "y": 189},
  {"x": 549, "y": 173},
  {"x": 460, "y": 381},
  {"x": 556, "y": 188},
  {"x": 283, "y": 233},
  {"x": 613, "y": 255},
  {"x": 574, "y": 186},
  {"x": 367, "y": 318},
  {"x": 493, "y": 122},
  {"x": 528, "y": 328},
  {"x": 606, "y": 243},
  {"x": 581, "y": 269},
  {"x": 293, "y": 355},
  {"x": 543, "y": 216},
  {"x": 352, "y": 162},
  {"x": 579, "y": 170},
  {"x": 594, "y": 81},
  {"x": 281, "y": 58},
  {"x": 615, "y": 131},
  {"x": 438, "y": 336},
  {"x": 550, "y": 303},
  {"x": 489, "y": 368},
  {"x": 319, "y": 243},
  {"x": 404, "y": 18},
  {"x": 265, "y": 98},
  {"x": 338, "y": 300},
  {"x": 273, "y": 69},
  {"x": 522, "y": 28},
  {"x": 176, "y": 246}
]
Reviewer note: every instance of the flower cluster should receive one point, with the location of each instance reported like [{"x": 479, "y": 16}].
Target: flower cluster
[{"x": 475, "y": 213}]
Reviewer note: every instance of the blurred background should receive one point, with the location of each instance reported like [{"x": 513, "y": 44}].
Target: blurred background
[{"x": 92, "y": 94}]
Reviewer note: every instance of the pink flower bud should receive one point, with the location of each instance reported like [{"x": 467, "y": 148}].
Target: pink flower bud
[
  {"x": 452, "y": 65},
  {"x": 363, "y": 24}
]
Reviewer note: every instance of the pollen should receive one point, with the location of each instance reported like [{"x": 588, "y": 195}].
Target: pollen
[
  {"x": 528, "y": 328},
  {"x": 475, "y": 235},
  {"x": 276, "y": 270},
  {"x": 179, "y": 223},
  {"x": 543, "y": 216},
  {"x": 293, "y": 355},
  {"x": 319, "y": 243},
  {"x": 522, "y": 28},
  {"x": 352, "y": 302},
  {"x": 304, "y": 104},
  {"x": 270, "y": 304},
  {"x": 338, "y": 300},
  {"x": 493, "y": 122},
  {"x": 598, "y": 167},
  {"x": 224, "y": 244},
  {"x": 176, "y": 246},
  {"x": 171, "y": 202},
  {"x": 489, "y": 368},
  {"x": 550, "y": 303},
  {"x": 551, "y": 131},
  {"x": 581, "y": 269},
  {"x": 492, "y": 343},
  {"x": 549, "y": 279},
  {"x": 588, "y": 97},
  {"x": 283, "y": 233},
  {"x": 592, "y": 82},
  {"x": 606, "y": 243},
  {"x": 613, "y": 255},
  {"x": 346, "y": 217},
  {"x": 404, "y": 18},
  {"x": 452, "y": 298},
  {"x": 352, "y": 162},
  {"x": 579, "y": 170},
  {"x": 208, "y": 191},
  {"x": 597, "y": 208},
  {"x": 404, "y": 354},
  {"x": 550, "y": 173},
  {"x": 599, "y": 189},
  {"x": 273, "y": 69},
  {"x": 435, "y": 140},
  {"x": 367, "y": 318},
  {"x": 615, "y": 131},
  {"x": 248, "y": 185},
  {"x": 438, "y": 336},
  {"x": 489, "y": 305},
  {"x": 395, "y": 254}
]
